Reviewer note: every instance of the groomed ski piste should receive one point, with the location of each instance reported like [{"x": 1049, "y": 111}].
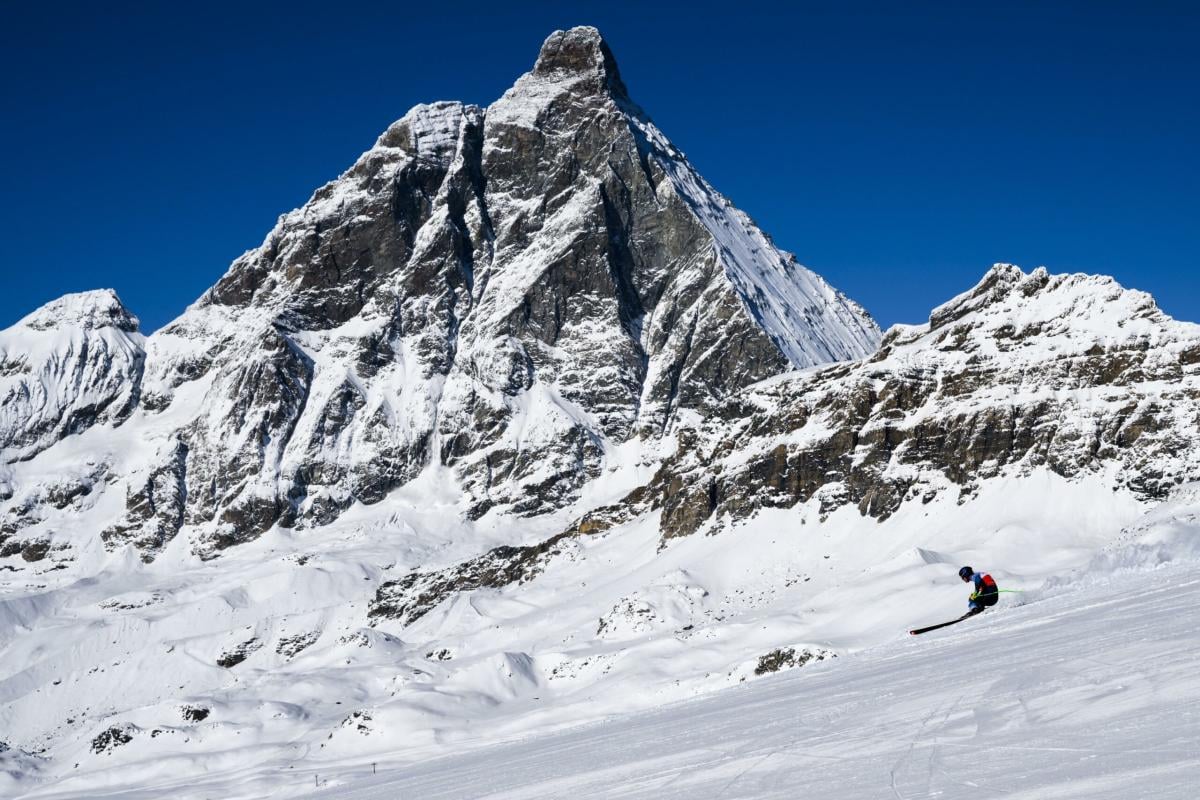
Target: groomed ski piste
[
  {"x": 1084, "y": 685},
  {"x": 1092, "y": 691}
]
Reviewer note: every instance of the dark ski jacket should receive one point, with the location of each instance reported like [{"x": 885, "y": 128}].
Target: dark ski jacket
[{"x": 986, "y": 592}]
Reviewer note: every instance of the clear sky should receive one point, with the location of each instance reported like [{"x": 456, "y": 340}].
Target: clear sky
[{"x": 897, "y": 148}]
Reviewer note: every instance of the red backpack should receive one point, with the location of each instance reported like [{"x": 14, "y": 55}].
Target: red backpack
[{"x": 990, "y": 592}]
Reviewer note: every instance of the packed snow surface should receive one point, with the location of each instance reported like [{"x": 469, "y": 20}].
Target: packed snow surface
[{"x": 1090, "y": 692}]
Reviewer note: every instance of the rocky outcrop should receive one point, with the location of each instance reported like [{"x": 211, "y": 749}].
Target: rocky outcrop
[
  {"x": 416, "y": 594},
  {"x": 154, "y": 505},
  {"x": 788, "y": 658}
]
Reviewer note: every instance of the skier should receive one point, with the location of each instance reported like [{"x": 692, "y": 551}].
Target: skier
[{"x": 986, "y": 592}]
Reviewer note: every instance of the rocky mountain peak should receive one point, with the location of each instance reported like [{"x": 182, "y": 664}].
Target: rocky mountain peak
[
  {"x": 1012, "y": 308},
  {"x": 510, "y": 295},
  {"x": 580, "y": 52},
  {"x": 92, "y": 310}
]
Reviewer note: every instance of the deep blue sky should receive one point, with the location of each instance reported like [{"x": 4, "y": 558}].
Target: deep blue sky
[{"x": 897, "y": 148}]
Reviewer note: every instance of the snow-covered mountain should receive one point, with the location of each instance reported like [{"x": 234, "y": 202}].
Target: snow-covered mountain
[
  {"x": 1070, "y": 373},
  {"x": 509, "y": 292},
  {"x": 517, "y": 424}
]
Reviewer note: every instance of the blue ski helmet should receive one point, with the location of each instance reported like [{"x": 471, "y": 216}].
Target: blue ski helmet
[{"x": 965, "y": 573}]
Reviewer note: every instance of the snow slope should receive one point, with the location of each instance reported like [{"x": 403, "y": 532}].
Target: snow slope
[
  {"x": 1091, "y": 692},
  {"x": 75, "y": 362},
  {"x": 613, "y": 627}
]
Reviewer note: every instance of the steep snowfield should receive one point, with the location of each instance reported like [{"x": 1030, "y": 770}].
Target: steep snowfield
[
  {"x": 808, "y": 320},
  {"x": 611, "y": 627}
]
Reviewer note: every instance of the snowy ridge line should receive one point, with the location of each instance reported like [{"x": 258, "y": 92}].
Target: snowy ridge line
[{"x": 810, "y": 321}]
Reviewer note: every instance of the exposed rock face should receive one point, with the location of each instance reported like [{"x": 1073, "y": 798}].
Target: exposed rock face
[
  {"x": 155, "y": 504},
  {"x": 24, "y": 522},
  {"x": 1066, "y": 372},
  {"x": 71, "y": 364},
  {"x": 508, "y": 291}
]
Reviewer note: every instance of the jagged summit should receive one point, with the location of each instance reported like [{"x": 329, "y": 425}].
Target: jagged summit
[
  {"x": 509, "y": 292},
  {"x": 1010, "y": 310},
  {"x": 580, "y": 51},
  {"x": 91, "y": 310}
]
